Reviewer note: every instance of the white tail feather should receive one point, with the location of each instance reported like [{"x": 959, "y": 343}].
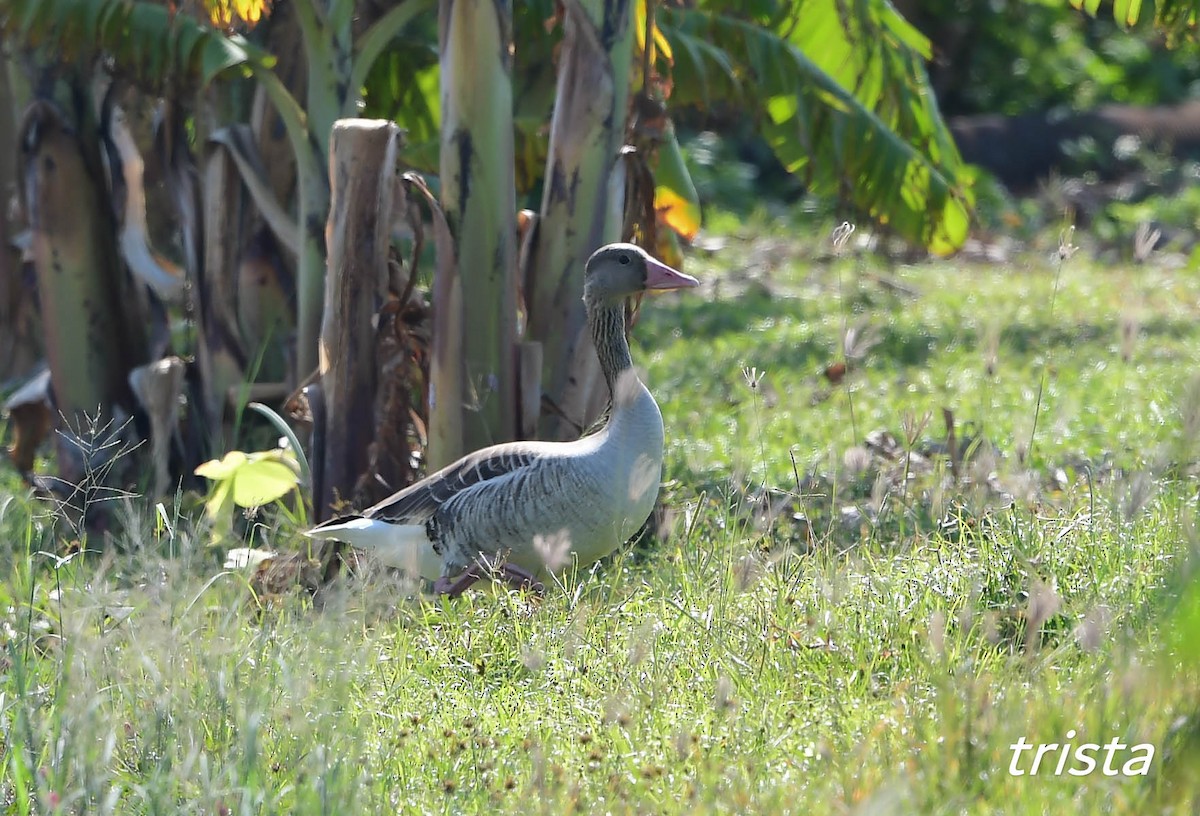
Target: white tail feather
[{"x": 403, "y": 546}]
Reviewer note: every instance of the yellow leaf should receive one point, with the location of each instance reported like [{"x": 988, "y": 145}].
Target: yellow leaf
[
  {"x": 221, "y": 15},
  {"x": 660, "y": 40},
  {"x": 955, "y": 225},
  {"x": 252, "y": 10},
  {"x": 676, "y": 212},
  {"x": 224, "y": 12},
  {"x": 675, "y": 198},
  {"x": 664, "y": 45}
]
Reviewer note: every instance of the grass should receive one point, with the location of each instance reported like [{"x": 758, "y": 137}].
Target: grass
[{"x": 818, "y": 626}]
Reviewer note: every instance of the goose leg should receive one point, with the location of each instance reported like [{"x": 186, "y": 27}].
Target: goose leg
[
  {"x": 520, "y": 579},
  {"x": 453, "y": 587},
  {"x": 510, "y": 574}
]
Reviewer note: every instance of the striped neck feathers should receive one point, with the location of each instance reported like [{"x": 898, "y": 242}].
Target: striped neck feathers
[{"x": 607, "y": 321}]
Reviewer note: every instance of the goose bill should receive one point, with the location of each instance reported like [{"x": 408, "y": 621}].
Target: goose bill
[{"x": 661, "y": 276}]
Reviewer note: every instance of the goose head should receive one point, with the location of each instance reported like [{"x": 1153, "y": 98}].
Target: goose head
[{"x": 616, "y": 271}]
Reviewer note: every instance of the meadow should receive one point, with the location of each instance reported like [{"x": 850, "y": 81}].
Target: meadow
[{"x": 912, "y": 515}]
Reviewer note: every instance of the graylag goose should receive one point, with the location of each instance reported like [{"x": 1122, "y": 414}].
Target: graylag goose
[{"x": 523, "y": 511}]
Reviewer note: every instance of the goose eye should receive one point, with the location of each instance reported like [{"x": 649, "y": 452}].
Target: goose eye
[{"x": 624, "y": 259}]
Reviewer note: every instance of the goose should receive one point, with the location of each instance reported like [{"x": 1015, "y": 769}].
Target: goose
[{"x": 523, "y": 511}]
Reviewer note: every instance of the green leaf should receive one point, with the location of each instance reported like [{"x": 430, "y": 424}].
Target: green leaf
[
  {"x": 907, "y": 33},
  {"x": 262, "y": 480},
  {"x": 782, "y": 108},
  {"x": 145, "y": 40},
  {"x": 220, "y": 503},
  {"x": 223, "y": 469},
  {"x": 1126, "y": 12},
  {"x": 249, "y": 480},
  {"x": 286, "y": 431},
  {"x": 676, "y": 201},
  {"x": 1177, "y": 18},
  {"x": 843, "y": 100}
]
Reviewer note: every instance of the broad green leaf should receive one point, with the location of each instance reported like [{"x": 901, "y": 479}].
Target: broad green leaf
[
  {"x": 220, "y": 503},
  {"x": 420, "y": 115},
  {"x": 1184, "y": 628},
  {"x": 782, "y": 108},
  {"x": 844, "y": 100},
  {"x": 262, "y": 480},
  {"x": 907, "y": 33},
  {"x": 146, "y": 40},
  {"x": 224, "y": 468},
  {"x": 250, "y": 480}
]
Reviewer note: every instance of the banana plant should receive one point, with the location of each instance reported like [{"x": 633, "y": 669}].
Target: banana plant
[
  {"x": 586, "y": 133},
  {"x": 19, "y": 330},
  {"x": 161, "y": 49},
  {"x": 176, "y": 56},
  {"x": 840, "y": 92},
  {"x": 94, "y": 327},
  {"x": 472, "y": 372}
]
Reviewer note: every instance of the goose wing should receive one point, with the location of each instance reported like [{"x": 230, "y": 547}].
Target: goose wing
[{"x": 420, "y": 500}]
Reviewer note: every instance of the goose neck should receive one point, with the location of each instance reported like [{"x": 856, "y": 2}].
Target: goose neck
[{"x": 607, "y": 322}]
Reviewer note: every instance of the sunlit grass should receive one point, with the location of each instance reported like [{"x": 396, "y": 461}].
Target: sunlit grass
[{"x": 876, "y": 639}]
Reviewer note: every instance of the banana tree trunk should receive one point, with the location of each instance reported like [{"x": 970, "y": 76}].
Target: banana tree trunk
[
  {"x": 91, "y": 341},
  {"x": 362, "y": 165},
  {"x": 219, "y": 353},
  {"x": 310, "y": 269},
  {"x": 333, "y": 74},
  {"x": 479, "y": 199},
  {"x": 269, "y": 127},
  {"x": 19, "y": 348},
  {"x": 327, "y": 46},
  {"x": 585, "y": 136}
]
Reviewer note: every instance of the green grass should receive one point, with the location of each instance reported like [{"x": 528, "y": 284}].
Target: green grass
[{"x": 847, "y": 632}]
